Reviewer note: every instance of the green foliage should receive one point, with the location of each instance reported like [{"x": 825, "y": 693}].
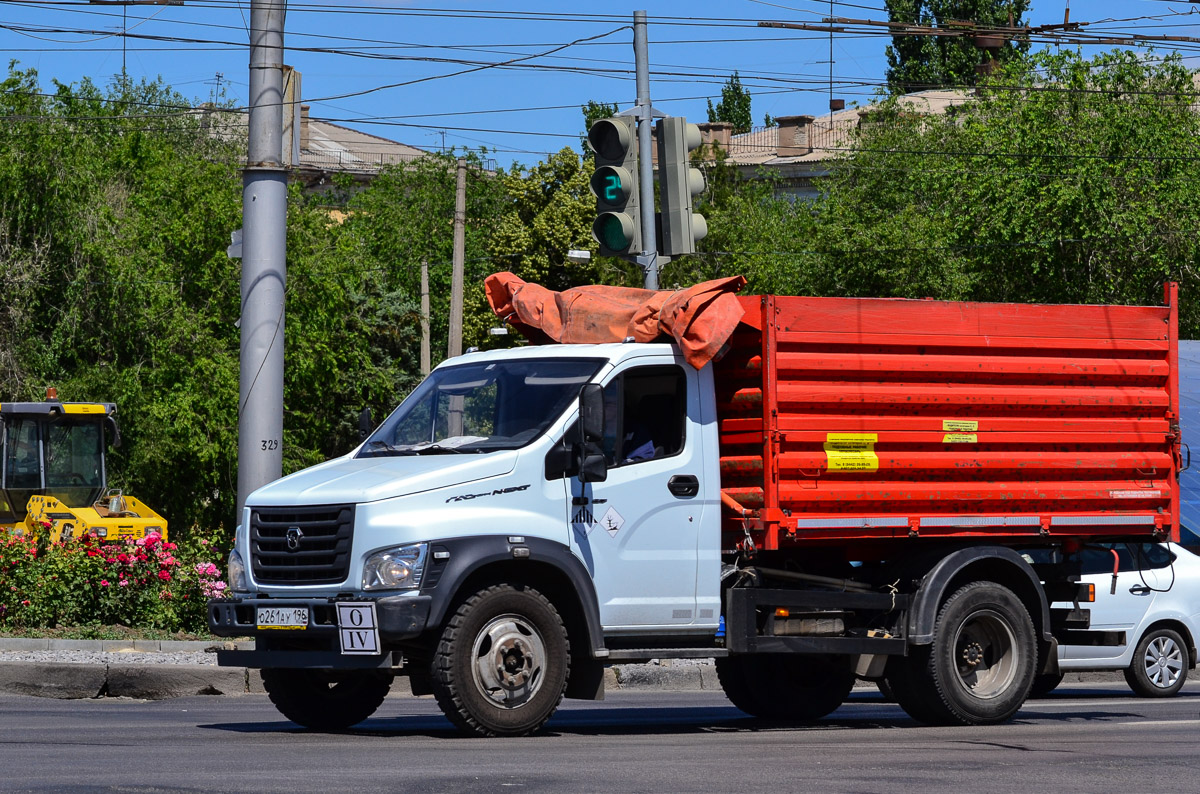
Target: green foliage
[
  {"x": 1078, "y": 187},
  {"x": 116, "y": 208},
  {"x": 916, "y": 63},
  {"x": 734, "y": 106},
  {"x": 405, "y": 217}
]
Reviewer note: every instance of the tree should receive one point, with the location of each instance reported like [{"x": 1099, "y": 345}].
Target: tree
[
  {"x": 1073, "y": 185},
  {"x": 116, "y": 209},
  {"x": 919, "y": 62},
  {"x": 734, "y": 106}
]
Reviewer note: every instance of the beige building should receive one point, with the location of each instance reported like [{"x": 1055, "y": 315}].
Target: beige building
[{"x": 799, "y": 149}]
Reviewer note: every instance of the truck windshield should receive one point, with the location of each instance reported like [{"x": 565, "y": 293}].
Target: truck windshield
[{"x": 481, "y": 407}]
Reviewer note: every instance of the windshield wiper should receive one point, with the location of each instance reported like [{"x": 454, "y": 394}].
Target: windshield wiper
[
  {"x": 438, "y": 449},
  {"x": 378, "y": 447}
]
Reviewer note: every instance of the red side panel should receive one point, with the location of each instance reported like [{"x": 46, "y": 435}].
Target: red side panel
[{"x": 877, "y": 418}]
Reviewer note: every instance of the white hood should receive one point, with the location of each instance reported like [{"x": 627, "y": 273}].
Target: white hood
[{"x": 350, "y": 480}]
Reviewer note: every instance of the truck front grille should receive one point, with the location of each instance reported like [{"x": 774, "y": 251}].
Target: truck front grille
[{"x": 301, "y": 545}]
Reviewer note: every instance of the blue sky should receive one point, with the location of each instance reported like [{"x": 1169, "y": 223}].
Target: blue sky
[{"x": 519, "y": 113}]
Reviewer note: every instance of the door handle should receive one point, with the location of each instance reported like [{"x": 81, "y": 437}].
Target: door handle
[
  {"x": 684, "y": 485},
  {"x": 1139, "y": 589}
]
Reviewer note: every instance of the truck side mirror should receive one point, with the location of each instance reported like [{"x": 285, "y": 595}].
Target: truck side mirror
[
  {"x": 588, "y": 455},
  {"x": 365, "y": 424},
  {"x": 591, "y": 413}
]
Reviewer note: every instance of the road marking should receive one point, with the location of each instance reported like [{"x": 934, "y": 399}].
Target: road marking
[{"x": 1157, "y": 723}]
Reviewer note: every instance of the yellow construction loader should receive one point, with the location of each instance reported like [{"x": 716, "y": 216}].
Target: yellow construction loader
[{"x": 53, "y": 480}]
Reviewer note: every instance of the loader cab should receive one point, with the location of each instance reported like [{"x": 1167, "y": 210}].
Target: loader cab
[{"x": 54, "y": 449}]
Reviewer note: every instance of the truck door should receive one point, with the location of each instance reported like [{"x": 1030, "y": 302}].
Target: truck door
[{"x": 637, "y": 531}]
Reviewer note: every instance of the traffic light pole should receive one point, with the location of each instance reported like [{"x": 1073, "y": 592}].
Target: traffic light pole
[{"x": 648, "y": 259}]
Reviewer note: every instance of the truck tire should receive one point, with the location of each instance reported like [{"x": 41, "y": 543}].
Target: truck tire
[
  {"x": 1160, "y": 664},
  {"x": 980, "y": 667},
  {"x": 784, "y": 686},
  {"x": 1044, "y": 684},
  {"x": 900, "y": 678},
  {"x": 326, "y": 700},
  {"x": 502, "y": 662}
]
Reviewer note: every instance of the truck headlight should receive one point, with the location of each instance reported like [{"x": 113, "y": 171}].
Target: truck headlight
[
  {"x": 237, "y": 573},
  {"x": 399, "y": 568}
]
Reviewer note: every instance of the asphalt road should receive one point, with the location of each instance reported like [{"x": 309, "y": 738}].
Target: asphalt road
[{"x": 1084, "y": 738}]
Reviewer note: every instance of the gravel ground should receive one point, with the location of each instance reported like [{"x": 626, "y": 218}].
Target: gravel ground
[{"x": 114, "y": 657}]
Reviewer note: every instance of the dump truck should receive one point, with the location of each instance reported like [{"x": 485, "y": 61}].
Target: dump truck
[
  {"x": 808, "y": 491},
  {"x": 54, "y": 476}
]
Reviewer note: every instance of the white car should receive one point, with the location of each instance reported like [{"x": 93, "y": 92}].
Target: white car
[{"x": 1155, "y": 605}]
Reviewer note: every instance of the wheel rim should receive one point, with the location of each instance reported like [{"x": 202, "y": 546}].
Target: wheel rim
[
  {"x": 1163, "y": 661},
  {"x": 509, "y": 658},
  {"x": 985, "y": 654}
]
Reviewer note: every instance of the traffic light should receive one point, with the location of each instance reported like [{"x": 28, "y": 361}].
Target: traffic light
[
  {"x": 618, "y": 224},
  {"x": 678, "y": 182}
]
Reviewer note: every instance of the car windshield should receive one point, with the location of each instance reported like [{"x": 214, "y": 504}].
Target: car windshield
[{"x": 481, "y": 407}]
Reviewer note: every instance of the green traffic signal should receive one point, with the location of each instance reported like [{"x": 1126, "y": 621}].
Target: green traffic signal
[{"x": 615, "y": 231}]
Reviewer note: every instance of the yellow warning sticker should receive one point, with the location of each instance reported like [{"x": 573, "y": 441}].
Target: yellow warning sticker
[
  {"x": 960, "y": 438},
  {"x": 851, "y": 452},
  {"x": 962, "y": 425}
]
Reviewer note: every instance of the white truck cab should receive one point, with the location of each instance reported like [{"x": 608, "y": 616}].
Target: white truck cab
[{"x": 477, "y": 480}]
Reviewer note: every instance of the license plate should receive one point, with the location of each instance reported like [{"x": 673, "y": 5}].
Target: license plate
[{"x": 282, "y": 617}]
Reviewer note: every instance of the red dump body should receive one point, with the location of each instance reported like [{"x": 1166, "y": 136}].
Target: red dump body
[{"x": 853, "y": 419}]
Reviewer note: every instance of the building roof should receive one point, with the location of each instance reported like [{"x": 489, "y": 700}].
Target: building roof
[
  {"x": 332, "y": 147},
  {"x": 828, "y": 135}
]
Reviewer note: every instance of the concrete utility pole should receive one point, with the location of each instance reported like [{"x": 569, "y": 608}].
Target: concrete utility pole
[
  {"x": 641, "y": 60},
  {"x": 456, "y": 279},
  {"x": 425, "y": 354},
  {"x": 264, "y": 265}
]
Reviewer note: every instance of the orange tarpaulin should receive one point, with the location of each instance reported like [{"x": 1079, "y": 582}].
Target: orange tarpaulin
[{"x": 699, "y": 318}]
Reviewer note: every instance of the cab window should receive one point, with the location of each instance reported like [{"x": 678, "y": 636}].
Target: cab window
[{"x": 645, "y": 412}]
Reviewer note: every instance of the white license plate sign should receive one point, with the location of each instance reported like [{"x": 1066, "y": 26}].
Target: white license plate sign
[
  {"x": 358, "y": 627},
  {"x": 282, "y": 617}
]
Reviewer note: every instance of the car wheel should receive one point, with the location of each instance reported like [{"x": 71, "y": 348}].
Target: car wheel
[{"x": 1160, "y": 664}]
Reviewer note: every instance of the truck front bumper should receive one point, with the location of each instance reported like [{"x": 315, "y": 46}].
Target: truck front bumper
[{"x": 400, "y": 617}]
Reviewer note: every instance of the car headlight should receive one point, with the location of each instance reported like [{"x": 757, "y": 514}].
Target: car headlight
[
  {"x": 237, "y": 573},
  {"x": 398, "y": 568}
]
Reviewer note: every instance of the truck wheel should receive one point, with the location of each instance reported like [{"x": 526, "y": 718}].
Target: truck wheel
[
  {"x": 980, "y": 667},
  {"x": 1160, "y": 664},
  {"x": 501, "y": 665},
  {"x": 1044, "y": 684},
  {"x": 901, "y": 678},
  {"x": 325, "y": 700},
  {"x": 785, "y": 687}
]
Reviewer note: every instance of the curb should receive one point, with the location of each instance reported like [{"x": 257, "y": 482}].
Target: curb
[
  {"x": 22, "y": 644},
  {"x": 69, "y": 680}
]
